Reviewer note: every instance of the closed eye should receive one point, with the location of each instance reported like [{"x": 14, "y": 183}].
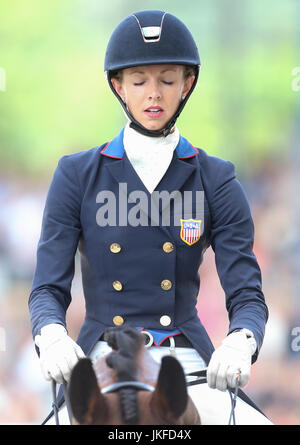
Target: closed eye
[{"x": 141, "y": 83}]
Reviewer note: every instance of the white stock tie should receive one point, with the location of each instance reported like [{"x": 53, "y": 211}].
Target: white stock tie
[{"x": 150, "y": 157}]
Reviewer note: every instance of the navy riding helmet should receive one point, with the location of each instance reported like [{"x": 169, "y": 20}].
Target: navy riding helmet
[{"x": 148, "y": 38}]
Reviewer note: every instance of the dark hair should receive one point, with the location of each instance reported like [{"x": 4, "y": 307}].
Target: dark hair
[{"x": 189, "y": 70}]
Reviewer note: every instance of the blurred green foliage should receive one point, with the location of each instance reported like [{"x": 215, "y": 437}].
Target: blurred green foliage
[{"x": 57, "y": 100}]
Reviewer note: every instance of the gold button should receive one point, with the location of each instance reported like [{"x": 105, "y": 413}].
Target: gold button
[
  {"x": 118, "y": 320},
  {"x": 168, "y": 247},
  {"x": 166, "y": 284},
  {"x": 117, "y": 285},
  {"x": 165, "y": 320},
  {"x": 115, "y": 248}
]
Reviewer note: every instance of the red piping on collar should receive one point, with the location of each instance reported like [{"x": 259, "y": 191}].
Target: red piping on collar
[
  {"x": 190, "y": 156},
  {"x": 120, "y": 157},
  {"x": 109, "y": 156}
]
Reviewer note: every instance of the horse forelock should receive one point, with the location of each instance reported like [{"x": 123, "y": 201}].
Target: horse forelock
[{"x": 126, "y": 343}]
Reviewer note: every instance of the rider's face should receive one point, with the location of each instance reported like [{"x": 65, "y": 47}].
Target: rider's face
[{"x": 152, "y": 93}]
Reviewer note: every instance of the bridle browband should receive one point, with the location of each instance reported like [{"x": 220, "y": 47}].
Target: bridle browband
[{"x": 127, "y": 384}]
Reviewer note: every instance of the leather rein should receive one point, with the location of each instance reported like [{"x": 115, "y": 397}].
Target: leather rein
[{"x": 232, "y": 392}]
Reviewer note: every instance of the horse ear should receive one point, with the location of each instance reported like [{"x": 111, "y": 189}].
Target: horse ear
[
  {"x": 87, "y": 403},
  {"x": 170, "y": 397}
]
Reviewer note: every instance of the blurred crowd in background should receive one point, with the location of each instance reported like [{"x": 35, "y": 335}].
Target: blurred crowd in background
[{"x": 246, "y": 112}]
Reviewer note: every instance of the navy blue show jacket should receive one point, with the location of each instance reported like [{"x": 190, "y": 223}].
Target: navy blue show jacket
[{"x": 70, "y": 222}]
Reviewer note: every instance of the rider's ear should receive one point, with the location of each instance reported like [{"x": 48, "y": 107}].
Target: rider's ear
[
  {"x": 87, "y": 403},
  {"x": 170, "y": 397}
]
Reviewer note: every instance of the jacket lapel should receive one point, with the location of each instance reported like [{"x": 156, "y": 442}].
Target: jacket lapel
[
  {"x": 131, "y": 188},
  {"x": 175, "y": 177}
]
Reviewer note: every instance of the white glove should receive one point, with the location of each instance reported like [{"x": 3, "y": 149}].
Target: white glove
[
  {"x": 231, "y": 359},
  {"x": 58, "y": 352}
]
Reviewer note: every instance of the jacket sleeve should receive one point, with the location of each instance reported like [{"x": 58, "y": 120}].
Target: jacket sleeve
[
  {"x": 232, "y": 237},
  {"x": 51, "y": 288}
]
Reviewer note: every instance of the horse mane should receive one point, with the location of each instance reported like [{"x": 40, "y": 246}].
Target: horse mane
[{"x": 125, "y": 342}]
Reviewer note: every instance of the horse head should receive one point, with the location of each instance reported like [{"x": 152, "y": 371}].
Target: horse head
[{"x": 128, "y": 387}]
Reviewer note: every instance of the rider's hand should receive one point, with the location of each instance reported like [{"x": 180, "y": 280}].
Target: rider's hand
[
  {"x": 231, "y": 359},
  {"x": 58, "y": 352}
]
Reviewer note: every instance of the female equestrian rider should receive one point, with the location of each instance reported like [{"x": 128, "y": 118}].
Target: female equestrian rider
[{"x": 142, "y": 209}]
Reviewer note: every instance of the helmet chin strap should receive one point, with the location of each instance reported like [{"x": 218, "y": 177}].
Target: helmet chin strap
[
  {"x": 152, "y": 133},
  {"x": 143, "y": 130}
]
